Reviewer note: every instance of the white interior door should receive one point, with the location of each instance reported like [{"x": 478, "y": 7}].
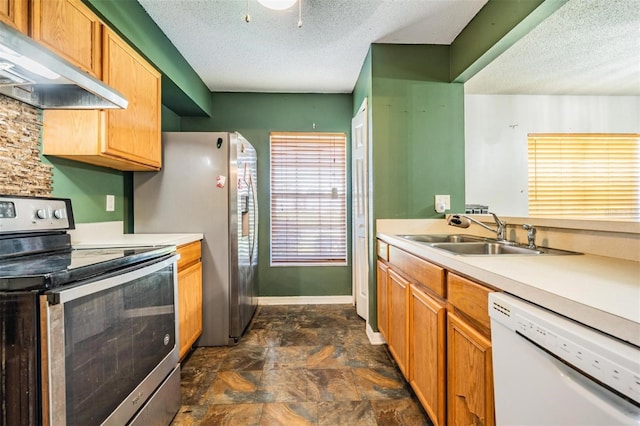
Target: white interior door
[{"x": 360, "y": 194}]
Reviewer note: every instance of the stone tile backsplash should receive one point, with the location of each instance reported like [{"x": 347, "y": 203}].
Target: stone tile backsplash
[{"x": 21, "y": 170}]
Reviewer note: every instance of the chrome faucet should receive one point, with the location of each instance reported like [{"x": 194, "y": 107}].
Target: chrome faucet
[
  {"x": 463, "y": 221},
  {"x": 531, "y": 235}
]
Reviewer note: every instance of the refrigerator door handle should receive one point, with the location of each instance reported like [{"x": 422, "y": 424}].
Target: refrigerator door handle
[{"x": 255, "y": 218}]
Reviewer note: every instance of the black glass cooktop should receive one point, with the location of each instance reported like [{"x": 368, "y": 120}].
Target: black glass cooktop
[{"x": 54, "y": 269}]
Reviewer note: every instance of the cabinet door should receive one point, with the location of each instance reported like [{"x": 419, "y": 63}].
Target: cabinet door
[
  {"x": 383, "y": 299},
  {"x": 398, "y": 320},
  {"x": 470, "y": 375},
  {"x": 70, "y": 29},
  {"x": 126, "y": 139},
  {"x": 134, "y": 133},
  {"x": 427, "y": 353},
  {"x": 14, "y": 13},
  {"x": 189, "y": 306}
]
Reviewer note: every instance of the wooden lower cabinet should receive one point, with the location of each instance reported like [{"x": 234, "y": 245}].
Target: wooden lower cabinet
[
  {"x": 427, "y": 372},
  {"x": 189, "y": 296},
  {"x": 469, "y": 375},
  {"x": 382, "y": 299},
  {"x": 398, "y": 325},
  {"x": 437, "y": 327}
]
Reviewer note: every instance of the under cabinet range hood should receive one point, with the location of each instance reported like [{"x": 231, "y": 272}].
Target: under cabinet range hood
[{"x": 34, "y": 75}]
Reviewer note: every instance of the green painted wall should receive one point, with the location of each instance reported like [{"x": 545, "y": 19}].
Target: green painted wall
[
  {"x": 417, "y": 122},
  {"x": 255, "y": 115},
  {"x": 416, "y": 125},
  {"x": 170, "y": 120},
  {"x": 362, "y": 89},
  {"x": 88, "y": 186}
]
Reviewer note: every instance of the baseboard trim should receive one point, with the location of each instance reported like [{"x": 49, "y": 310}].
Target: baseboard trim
[
  {"x": 375, "y": 338},
  {"x": 305, "y": 300}
]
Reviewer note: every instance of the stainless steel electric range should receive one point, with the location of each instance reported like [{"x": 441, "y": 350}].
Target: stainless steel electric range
[{"x": 88, "y": 336}]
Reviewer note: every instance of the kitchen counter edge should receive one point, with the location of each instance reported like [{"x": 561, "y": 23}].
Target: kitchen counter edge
[
  {"x": 137, "y": 240},
  {"x": 605, "y": 321}
]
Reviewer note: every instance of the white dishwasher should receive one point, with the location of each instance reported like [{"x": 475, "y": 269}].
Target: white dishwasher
[{"x": 549, "y": 370}]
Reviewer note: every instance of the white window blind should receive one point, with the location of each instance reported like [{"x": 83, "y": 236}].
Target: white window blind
[
  {"x": 590, "y": 175},
  {"x": 308, "y": 198}
]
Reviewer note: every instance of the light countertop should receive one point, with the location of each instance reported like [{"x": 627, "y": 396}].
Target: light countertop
[
  {"x": 135, "y": 240},
  {"x": 598, "y": 291},
  {"x": 109, "y": 234}
]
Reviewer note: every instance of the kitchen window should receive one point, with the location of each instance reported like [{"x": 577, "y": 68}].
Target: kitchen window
[
  {"x": 589, "y": 175},
  {"x": 308, "y": 199}
]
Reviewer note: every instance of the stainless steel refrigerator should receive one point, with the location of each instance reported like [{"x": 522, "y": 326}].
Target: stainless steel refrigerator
[{"x": 208, "y": 184}]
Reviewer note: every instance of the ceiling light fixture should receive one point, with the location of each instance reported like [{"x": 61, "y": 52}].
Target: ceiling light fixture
[{"x": 277, "y": 4}]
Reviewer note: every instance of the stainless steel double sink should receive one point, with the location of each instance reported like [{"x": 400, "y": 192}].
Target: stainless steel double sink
[{"x": 471, "y": 245}]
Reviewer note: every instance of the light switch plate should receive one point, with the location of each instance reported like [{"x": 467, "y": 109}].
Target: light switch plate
[{"x": 111, "y": 203}]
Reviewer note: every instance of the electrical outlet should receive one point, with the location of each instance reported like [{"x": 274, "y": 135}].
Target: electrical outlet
[
  {"x": 443, "y": 200},
  {"x": 111, "y": 203}
]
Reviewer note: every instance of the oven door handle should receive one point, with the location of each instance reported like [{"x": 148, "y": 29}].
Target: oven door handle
[{"x": 107, "y": 281}]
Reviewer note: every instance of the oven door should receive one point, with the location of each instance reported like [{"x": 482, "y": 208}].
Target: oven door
[{"x": 109, "y": 343}]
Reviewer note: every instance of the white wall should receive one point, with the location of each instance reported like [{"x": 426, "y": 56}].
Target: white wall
[{"x": 496, "y": 128}]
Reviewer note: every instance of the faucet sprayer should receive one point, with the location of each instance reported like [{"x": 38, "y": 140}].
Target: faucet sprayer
[{"x": 463, "y": 221}]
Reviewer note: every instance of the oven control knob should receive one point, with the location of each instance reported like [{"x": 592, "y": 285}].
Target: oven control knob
[
  {"x": 60, "y": 213},
  {"x": 43, "y": 214}
]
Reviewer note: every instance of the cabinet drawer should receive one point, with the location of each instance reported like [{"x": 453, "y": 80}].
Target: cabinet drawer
[
  {"x": 427, "y": 274},
  {"x": 383, "y": 250},
  {"x": 470, "y": 298},
  {"x": 189, "y": 253}
]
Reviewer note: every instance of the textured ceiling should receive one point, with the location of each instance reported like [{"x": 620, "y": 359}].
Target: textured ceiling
[
  {"x": 271, "y": 54},
  {"x": 588, "y": 47}
]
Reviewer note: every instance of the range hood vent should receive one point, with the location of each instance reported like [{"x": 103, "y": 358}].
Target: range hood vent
[{"x": 34, "y": 75}]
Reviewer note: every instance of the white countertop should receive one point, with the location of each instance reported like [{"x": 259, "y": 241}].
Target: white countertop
[
  {"x": 109, "y": 234},
  {"x": 136, "y": 240},
  {"x": 598, "y": 291}
]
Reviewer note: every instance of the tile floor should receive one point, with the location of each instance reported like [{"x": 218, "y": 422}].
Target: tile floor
[{"x": 298, "y": 365}]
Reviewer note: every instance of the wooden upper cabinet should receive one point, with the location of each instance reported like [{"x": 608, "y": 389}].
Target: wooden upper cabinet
[
  {"x": 133, "y": 133},
  {"x": 122, "y": 139},
  {"x": 70, "y": 29},
  {"x": 15, "y": 13}
]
